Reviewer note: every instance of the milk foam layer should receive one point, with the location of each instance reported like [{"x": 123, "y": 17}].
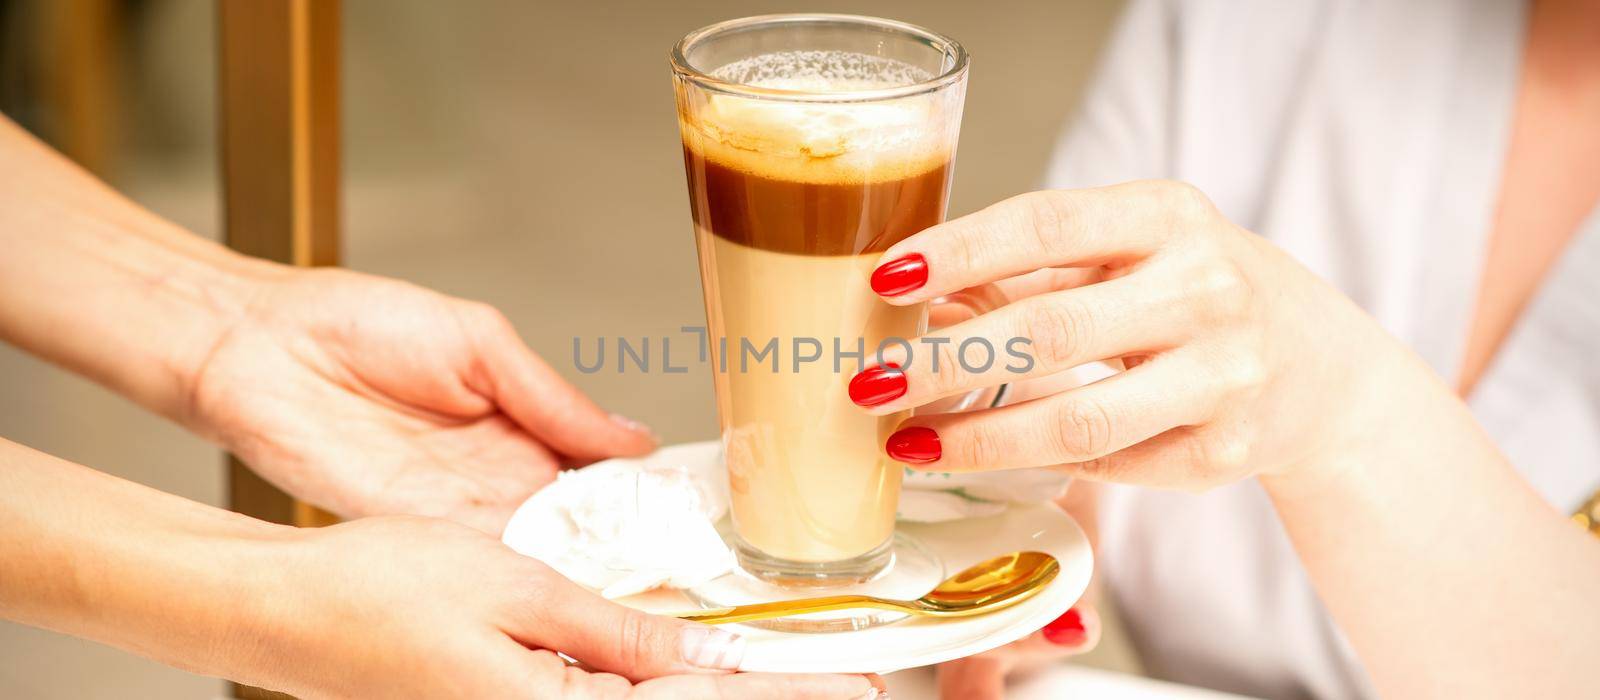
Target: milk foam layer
[
  {"x": 824, "y": 142},
  {"x": 821, "y": 71}
]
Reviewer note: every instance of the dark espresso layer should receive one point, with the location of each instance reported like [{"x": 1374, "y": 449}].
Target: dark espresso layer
[{"x": 846, "y": 218}]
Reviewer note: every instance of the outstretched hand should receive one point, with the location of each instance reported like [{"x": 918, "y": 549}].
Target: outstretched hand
[
  {"x": 366, "y": 395},
  {"x": 421, "y": 608}
]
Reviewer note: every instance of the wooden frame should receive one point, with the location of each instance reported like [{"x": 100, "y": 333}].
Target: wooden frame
[
  {"x": 81, "y": 42},
  {"x": 278, "y": 73}
]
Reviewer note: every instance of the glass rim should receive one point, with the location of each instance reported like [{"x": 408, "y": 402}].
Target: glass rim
[{"x": 682, "y": 68}]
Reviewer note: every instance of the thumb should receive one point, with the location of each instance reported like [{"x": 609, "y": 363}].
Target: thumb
[
  {"x": 983, "y": 677},
  {"x": 549, "y": 407},
  {"x": 1075, "y": 632},
  {"x": 631, "y": 643}
]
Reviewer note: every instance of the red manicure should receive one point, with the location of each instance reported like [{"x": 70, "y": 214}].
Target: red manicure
[
  {"x": 878, "y": 385},
  {"x": 914, "y": 446},
  {"x": 900, "y": 275},
  {"x": 1066, "y": 630}
]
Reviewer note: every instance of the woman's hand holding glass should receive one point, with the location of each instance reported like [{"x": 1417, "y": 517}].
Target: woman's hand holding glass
[
  {"x": 1239, "y": 362},
  {"x": 1237, "y": 357}
]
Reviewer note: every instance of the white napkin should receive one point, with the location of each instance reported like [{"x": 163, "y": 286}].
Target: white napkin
[{"x": 627, "y": 526}]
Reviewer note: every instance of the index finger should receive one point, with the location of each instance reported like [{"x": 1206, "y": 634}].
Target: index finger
[
  {"x": 1051, "y": 228},
  {"x": 562, "y": 616}
]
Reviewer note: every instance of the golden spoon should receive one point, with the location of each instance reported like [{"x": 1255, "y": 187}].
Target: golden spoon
[{"x": 983, "y": 587}]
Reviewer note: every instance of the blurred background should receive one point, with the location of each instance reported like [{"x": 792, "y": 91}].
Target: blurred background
[{"x": 524, "y": 154}]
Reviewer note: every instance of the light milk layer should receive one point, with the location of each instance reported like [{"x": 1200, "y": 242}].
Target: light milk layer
[{"x": 806, "y": 467}]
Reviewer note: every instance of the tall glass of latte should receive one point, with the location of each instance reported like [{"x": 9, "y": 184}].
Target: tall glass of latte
[{"x": 812, "y": 144}]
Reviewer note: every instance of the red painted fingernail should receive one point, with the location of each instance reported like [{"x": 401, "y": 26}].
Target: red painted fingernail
[
  {"x": 900, "y": 275},
  {"x": 914, "y": 446},
  {"x": 878, "y": 385},
  {"x": 1066, "y": 630}
]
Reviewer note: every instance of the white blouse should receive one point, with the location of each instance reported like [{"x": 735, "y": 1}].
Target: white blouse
[{"x": 1365, "y": 138}]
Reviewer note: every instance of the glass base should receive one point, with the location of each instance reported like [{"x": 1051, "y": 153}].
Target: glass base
[
  {"x": 786, "y": 573},
  {"x": 909, "y": 570}
]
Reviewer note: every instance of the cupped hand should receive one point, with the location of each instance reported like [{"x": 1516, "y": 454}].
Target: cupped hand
[
  {"x": 1240, "y": 361},
  {"x": 366, "y": 395},
  {"x": 983, "y": 676},
  {"x": 404, "y": 607}
]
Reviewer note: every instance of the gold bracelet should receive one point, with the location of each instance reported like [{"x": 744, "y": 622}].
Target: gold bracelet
[{"x": 1588, "y": 517}]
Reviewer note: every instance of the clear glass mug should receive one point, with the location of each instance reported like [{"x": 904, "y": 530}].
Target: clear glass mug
[{"x": 812, "y": 143}]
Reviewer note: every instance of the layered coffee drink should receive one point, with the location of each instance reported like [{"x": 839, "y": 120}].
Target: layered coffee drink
[{"x": 796, "y": 190}]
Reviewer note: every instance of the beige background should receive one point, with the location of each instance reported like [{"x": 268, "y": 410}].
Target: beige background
[{"x": 519, "y": 153}]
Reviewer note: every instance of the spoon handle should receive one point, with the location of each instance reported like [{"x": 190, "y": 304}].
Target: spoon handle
[{"x": 786, "y": 608}]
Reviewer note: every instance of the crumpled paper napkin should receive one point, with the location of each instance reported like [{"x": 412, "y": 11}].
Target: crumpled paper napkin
[{"x": 627, "y": 526}]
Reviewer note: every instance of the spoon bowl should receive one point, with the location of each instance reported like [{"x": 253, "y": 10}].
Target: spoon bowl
[
  {"x": 984, "y": 587},
  {"x": 991, "y": 584}
]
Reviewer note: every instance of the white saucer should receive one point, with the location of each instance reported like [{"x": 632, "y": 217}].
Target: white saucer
[
  {"x": 925, "y": 641},
  {"x": 913, "y": 642}
]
